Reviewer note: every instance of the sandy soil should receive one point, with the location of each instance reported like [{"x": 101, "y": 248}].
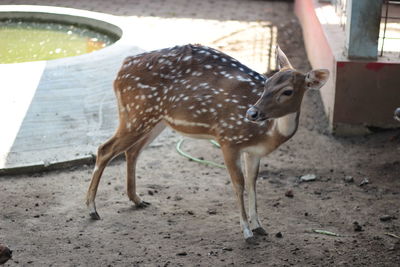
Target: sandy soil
[{"x": 193, "y": 219}]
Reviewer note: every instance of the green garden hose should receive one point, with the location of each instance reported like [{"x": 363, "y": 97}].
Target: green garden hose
[{"x": 202, "y": 161}]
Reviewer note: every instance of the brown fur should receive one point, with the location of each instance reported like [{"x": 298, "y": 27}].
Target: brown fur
[{"x": 202, "y": 92}]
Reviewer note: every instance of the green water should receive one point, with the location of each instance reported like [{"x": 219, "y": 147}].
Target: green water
[{"x": 22, "y": 41}]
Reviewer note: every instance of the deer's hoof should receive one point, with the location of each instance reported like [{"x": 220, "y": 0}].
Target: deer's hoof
[
  {"x": 259, "y": 231},
  {"x": 143, "y": 204},
  {"x": 248, "y": 236},
  {"x": 250, "y": 239},
  {"x": 94, "y": 215}
]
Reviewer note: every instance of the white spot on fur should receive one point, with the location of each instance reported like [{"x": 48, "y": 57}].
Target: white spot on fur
[
  {"x": 179, "y": 122},
  {"x": 141, "y": 85}
]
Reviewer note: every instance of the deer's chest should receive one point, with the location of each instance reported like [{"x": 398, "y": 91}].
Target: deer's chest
[{"x": 287, "y": 125}]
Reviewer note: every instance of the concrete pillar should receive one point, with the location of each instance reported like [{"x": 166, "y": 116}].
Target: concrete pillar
[{"x": 362, "y": 28}]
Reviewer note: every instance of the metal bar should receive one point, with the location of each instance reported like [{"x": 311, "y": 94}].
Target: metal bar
[
  {"x": 384, "y": 27},
  {"x": 391, "y": 38}
]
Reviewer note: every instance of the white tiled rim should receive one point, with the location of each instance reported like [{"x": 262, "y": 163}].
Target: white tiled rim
[{"x": 55, "y": 113}]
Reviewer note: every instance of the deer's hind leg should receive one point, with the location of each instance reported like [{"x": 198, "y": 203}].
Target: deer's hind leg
[
  {"x": 120, "y": 142},
  {"x": 132, "y": 155}
]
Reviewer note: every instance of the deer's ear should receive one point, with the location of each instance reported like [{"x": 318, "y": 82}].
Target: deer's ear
[
  {"x": 315, "y": 79},
  {"x": 283, "y": 61}
]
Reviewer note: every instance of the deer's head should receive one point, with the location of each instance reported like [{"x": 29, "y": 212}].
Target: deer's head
[{"x": 284, "y": 91}]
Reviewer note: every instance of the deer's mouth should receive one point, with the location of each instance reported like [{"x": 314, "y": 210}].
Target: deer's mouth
[{"x": 260, "y": 119}]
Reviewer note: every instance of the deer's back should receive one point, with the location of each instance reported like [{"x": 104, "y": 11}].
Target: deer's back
[{"x": 195, "y": 89}]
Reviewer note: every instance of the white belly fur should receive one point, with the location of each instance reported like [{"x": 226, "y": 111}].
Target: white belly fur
[
  {"x": 197, "y": 136},
  {"x": 171, "y": 122}
]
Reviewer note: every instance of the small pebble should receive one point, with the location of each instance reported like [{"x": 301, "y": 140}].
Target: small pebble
[
  {"x": 386, "y": 218},
  {"x": 365, "y": 181},
  {"x": 349, "y": 179},
  {"x": 177, "y": 198},
  {"x": 211, "y": 211},
  {"x": 183, "y": 253},
  {"x": 308, "y": 178},
  {"x": 278, "y": 235},
  {"x": 212, "y": 253},
  {"x": 396, "y": 246},
  {"x": 357, "y": 227},
  {"x": 289, "y": 193}
]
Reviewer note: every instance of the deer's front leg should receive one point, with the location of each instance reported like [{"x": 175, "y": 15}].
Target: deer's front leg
[
  {"x": 252, "y": 164},
  {"x": 232, "y": 161}
]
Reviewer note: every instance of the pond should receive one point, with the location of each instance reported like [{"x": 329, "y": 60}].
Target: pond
[{"x": 24, "y": 40}]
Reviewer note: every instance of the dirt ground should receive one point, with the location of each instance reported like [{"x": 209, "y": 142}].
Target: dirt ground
[{"x": 193, "y": 219}]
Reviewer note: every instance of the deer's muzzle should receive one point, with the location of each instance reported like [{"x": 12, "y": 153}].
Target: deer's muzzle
[{"x": 255, "y": 115}]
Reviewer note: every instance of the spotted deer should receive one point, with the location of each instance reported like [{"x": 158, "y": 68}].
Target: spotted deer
[{"x": 203, "y": 93}]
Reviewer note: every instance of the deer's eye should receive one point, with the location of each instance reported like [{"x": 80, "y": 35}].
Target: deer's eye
[{"x": 287, "y": 92}]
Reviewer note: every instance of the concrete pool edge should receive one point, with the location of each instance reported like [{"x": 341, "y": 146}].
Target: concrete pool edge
[
  {"x": 103, "y": 65},
  {"x": 101, "y": 21}
]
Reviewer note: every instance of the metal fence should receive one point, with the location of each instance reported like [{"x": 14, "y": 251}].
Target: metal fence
[
  {"x": 389, "y": 33},
  {"x": 340, "y": 9}
]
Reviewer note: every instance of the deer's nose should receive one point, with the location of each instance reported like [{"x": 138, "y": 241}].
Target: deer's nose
[{"x": 252, "y": 113}]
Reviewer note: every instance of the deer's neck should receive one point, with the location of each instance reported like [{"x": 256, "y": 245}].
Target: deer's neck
[{"x": 287, "y": 125}]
